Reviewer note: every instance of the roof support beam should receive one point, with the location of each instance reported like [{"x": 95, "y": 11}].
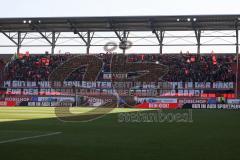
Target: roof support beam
[
  {"x": 123, "y": 37},
  {"x": 90, "y": 36},
  {"x": 58, "y": 35},
  {"x": 23, "y": 38},
  {"x": 124, "y": 40},
  {"x": 20, "y": 40},
  {"x": 10, "y": 38},
  {"x": 118, "y": 34},
  {"x": 53, "y": 42},
  {"x": 36, "y": 27},
  {"x": 45, "y": 37},
  {"x": 160, "y": 36},
  {"x": 82, "y": 37},
  {"x": 198, "y": 37},
  {"x": 87, "y": 40}
]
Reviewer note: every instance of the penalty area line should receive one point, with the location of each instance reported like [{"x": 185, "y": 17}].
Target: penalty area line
[{"x": 27, "y": 138}]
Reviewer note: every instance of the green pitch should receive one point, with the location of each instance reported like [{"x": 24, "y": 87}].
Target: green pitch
[{"x": 36, "y": 133}]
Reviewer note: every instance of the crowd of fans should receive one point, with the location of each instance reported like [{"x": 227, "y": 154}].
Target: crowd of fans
[
  {"x": 87, "y": 66},
  {"x": 192, "y": 68},
  {"x": 181, "y": 67},
  {"x": 27, "y": 67},
  {"x": 210, "y": 68}
]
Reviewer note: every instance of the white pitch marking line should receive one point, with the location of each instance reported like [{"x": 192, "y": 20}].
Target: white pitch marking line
[{"x": 26, "y": 138}]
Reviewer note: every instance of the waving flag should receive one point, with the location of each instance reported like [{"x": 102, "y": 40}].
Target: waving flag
[{"x": 214, "y": 58}]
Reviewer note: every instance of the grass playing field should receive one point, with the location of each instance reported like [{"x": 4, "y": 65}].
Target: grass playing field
[{"x": 35, "y": 133}]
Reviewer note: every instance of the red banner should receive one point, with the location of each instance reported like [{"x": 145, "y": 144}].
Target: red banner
[
  {"x": 7, "y": 103},
  {"x": 158, "y": 106}
]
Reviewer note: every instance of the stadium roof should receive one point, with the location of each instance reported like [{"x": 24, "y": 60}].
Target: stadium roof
[{"x": 128, "y": 23}]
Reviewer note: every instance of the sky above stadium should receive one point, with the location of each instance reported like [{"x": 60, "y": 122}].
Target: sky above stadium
[{"x": 60, "y": 8}]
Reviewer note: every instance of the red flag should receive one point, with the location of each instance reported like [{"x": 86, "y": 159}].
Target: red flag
[
  {"x": 193, "y": 59},
  {"x": 27, "y": 54},
  {"x": 20, "y": 56},
  {"x": 214, "y": 58}
]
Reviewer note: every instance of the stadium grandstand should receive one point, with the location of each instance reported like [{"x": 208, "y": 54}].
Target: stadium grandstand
[{"x": 79, "y": 78}]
